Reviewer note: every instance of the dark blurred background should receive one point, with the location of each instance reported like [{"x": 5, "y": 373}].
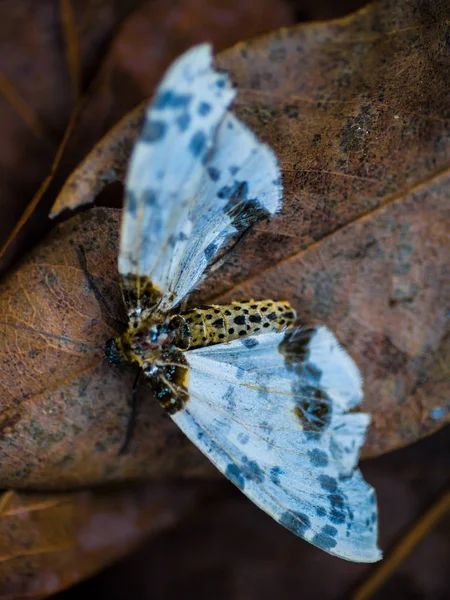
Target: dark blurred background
[{"x": 230, "y": 550}]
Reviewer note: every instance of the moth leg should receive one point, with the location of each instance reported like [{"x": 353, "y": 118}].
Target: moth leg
[
  {"x": 132, "y": 419},
  {"x": 81, "y": 255},
  {"x": 218, "y": 262},
  {"x": 183, "y": 306}
]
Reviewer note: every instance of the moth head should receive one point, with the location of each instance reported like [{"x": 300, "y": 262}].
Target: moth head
[
  {"x": 147, "y": 339},
  {"x": 112, "y": 352},
  {"x": 158, "y": 334}
]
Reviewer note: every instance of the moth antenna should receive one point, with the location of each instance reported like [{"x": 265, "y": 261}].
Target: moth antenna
[{"x": 132, "y": 419}]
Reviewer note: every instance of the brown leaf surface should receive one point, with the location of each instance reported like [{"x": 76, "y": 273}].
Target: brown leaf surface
[
  {"x": 64, "y": 410},
  {"x": 93, "y": 65},
  {"x": 358, "y": 111},
  {"x": 49, "y": 542}
]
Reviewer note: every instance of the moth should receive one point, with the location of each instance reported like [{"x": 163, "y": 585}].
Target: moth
[{"x": 269, "y": 404}]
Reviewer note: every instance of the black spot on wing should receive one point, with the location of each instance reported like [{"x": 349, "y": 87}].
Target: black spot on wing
[
  {"x": 197, "y": 144},
  {"x": 213, "y": 173},
  {"x": 204, "y": 108},
  {"x": 210, "y": 251},
  {"x": 219, "y": 323},
  {"x": 275, "y": 473},
  {"x": 171, "y": 99},
  {"x": 325, "y": 539},
  {"x": 298, "y": 523},
  {"x": 327, "y": 483},
  {"x": 153, "y": 131},
  {"x": 337, "y": 513},
  {"x": 295, "y": 348},
  {"x": 225, "y": 192},
  {"x": 242, "y": 210},
  {"x": 239, "y": 320},
  {"x": 251, "y": 470},
  {"x": 318, "y": 458},
  {"x": 150, "y": 197},
  {"x": 312, "y": 372},
  {"x": 340, "y": 511},
  {"x": 174, "y": 239},
  {"x": 243, "y": 438},
  {"x": 313, "y": 407},
  {"x": 130, "y": 203},
  {"x": 234, "y": 474},
  {"x": 250, "y": 342},
  {"x": 345, "y": 476},
  {"x": 183, "y": 121},
  {"x": 336, "y": 450},
  {"x": 230, "y": 398}
]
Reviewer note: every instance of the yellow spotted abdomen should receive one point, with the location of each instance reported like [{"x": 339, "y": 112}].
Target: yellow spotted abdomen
[{"x": 217, "y": 324}]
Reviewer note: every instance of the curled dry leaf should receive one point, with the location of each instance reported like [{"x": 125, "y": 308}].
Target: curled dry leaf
[{"x": 49, "y": 542}]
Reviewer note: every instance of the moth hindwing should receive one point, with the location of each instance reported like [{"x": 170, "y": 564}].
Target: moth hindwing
[{"x": 268, "y": 403}]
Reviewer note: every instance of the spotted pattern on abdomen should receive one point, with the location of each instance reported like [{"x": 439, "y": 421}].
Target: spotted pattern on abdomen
[{"x": 216, "y": 324}]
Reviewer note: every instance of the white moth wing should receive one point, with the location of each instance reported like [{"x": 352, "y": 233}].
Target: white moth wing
[
  {"x": 240, "y": 186},
  {"x": 166, "y": 165},
  {"x": 270, "y": 411},
  {"x": 197, "y": 175}
]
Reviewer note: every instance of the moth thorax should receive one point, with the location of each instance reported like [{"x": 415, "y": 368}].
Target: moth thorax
[{"x": 151, "y": 338}]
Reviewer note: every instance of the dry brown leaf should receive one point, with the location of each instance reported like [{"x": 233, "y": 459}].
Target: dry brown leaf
[
  {"x": 64, "y": 410},
  {"x": 51, "y": 541},
  {"x": 358, "y": 111}
]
